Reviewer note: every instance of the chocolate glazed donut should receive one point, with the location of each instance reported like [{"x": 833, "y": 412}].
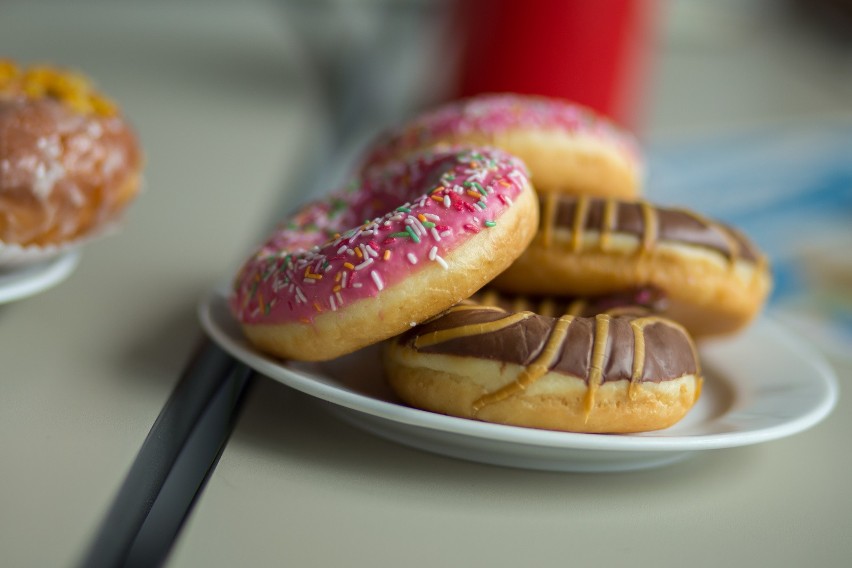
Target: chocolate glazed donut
[
  {"x": 714, "y": 279},
  {"x": 604, "y": 374}
]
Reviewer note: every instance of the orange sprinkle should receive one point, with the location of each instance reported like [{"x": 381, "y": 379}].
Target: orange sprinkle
[
  {"x": 336, "y": 288},
  {"x": 439, "y": 188},
  {"x": 437, "y": 198},
  {"x": 348, "y": 265},
  {"x": 317, "y": 307},
  {"x": 472, "y": 193},
  {"x": 311, "y": 275},
  {"x": 387, "y": 254},
  {"x": 422, "y": 217},
  {"x": 358, "y": 252},
  {"x": 504, "y": 183},
  {"x": 304, "y": 320},
  {"x": 337, "y": 276},
  {"x": 260, "y": 302}
]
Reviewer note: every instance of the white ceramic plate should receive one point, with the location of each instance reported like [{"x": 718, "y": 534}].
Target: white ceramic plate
[
  {"x": 27, "y": 280},
  {"x": 764, "y": 385}
]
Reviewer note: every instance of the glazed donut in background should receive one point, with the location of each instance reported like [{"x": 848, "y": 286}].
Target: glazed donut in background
[
  {"x": 713, "y": 278},
  {"x": 440, "y": 225},
  {"x": 604, "y": 374},
  {"x": 69, "y": 162},
  {"x": 568, "y": 148}
]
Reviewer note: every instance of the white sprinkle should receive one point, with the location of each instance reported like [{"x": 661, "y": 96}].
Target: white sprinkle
[
  {"x": 410, "y": 222},
  {"x": 308, "y": 281},
  {"x": 431, "y": 216},
  {"x": 447, "y": 201},
  {"x": 364, "y": 264},
  {"x": 342, "y": 249},
  {"x": 344, "y": 279},
  {"x": 300, "y": 296},
  {"x": 328, "y": 268},
  {"x": 411, "y": 258},
  {"x": 356, "y": 285},
  {"x": 433, "y": 252},
  {"x": 442, "y": 262},
  {"x": 446, "y": 232},
  {"x": 458, "y": 189},
  {"x": 507, "y": 198},
  {"x": 350, "y": 252},
  {"x": 371, "y": 251},
  {"x": 377, "y": 279},
  {"x": 415, "y": 224},
  {"x": 366, "y": 233},
  {"x": 332, "y": 303},
  {"x": 435, "y": 234},
  {"x": 339, "y": 298}
]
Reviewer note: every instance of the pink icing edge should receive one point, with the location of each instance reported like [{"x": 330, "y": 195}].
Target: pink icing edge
[
  {"x": 499, "y": 112},
  {"x": 280, "y": 284}
]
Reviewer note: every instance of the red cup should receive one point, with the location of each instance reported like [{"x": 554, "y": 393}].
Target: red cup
[{"x": 593, "y": 52}]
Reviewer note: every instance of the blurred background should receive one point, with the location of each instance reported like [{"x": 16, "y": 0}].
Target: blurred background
[{"x": 743, "y": 106}]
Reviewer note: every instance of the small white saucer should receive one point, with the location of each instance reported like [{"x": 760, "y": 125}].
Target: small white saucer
[
  {"x": 762, "y": 385},
  {"x": 26, "y": 280}
]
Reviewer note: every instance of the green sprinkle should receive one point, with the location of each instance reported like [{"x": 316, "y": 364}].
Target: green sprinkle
[
  {"x": 404, "y": 209},
  {"x": 482, "y": 205},
  {"x": 413, "y": 235},
  {"x": 428, "y": 224},
  {"x": 490, "y": 223},
  {"x": 403, "y": 234}
]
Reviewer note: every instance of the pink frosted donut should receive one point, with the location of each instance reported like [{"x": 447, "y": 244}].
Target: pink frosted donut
[
  {"x": 568, "y": 148},
  {"x": 440, "y": 225}
]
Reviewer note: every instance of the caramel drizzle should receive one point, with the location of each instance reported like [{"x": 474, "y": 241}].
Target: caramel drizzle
[
  {"x": 532, "y": 372},
  {"x": 597, "y": 362},
  {"x": 610, "y": 209},
  {"x": 650, "y": 226},
  {"x": 553, "y": 347},
  {"x": 580, "y": 213},
  {"x": 638, "y": 326},
  {"x": 576, "y": 307},
  {"x": 442, "y": 335},
  {"x": 548, "y": 219}
]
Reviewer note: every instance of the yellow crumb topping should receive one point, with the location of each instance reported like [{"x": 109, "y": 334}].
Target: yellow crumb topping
[{"x": 68, "y": 87}]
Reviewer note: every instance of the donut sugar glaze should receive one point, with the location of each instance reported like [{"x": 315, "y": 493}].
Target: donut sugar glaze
[
  {"x": 567, "y": 147},
  {"x": 714, "y": 279},
  {"x": 69, "y": 162},
  {"x": 440, "y": 225},
  {"x": 602, "y": 374}
]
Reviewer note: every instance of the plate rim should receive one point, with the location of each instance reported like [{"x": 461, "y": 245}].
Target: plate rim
[
  {"x": 824, "y": 376},
  {"x": 31, "y": 279}
]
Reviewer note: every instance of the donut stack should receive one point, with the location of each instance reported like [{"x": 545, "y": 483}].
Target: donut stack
[{"x": 571, "y": 306}]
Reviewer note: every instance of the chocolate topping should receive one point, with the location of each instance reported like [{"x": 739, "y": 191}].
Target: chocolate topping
[
  {"x": 640, "y": 301},
  {"x": 653, "y": 348},
  {"x": 673, "y": 225}
]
